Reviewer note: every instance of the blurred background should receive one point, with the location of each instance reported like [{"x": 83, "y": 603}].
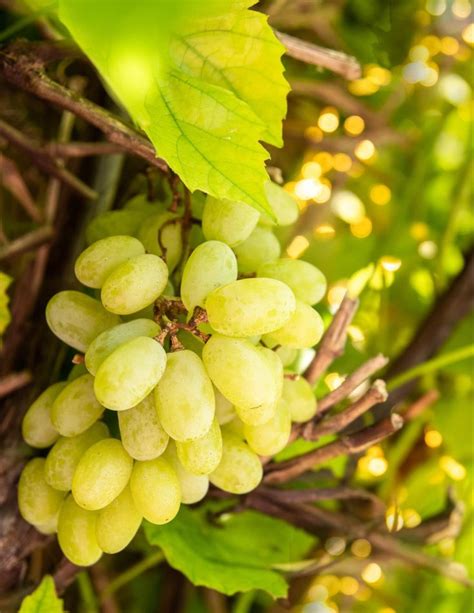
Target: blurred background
[{"x": 381, "y": 169}]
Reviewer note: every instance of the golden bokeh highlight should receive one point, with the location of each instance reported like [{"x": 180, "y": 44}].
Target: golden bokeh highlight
[
  {"x": 419, "y": 230},
  {"x": 380, "y": 194},
  {"x": 461, "y": 9},
  {"x": 297, "y": 246},
  {"x": 324, "y": 159},
  {"x": 394, "y": 519},
  {"x": 411, "y": 518},
  {"x": 342, "y": 162},
  {"x": 311, "y": 170},
  {"x": 433, "y": 439},
  {"x": 349, "y": 586},
  {"x": 361, "y": 548},
  {"x": 449, "y": 45},
  {"x": 335, "y": 545},
  {"x": 362, "y": 228},
  {"x": 328, "y": 120},
  {"x": 354, "y": 125},
  {"x": 372, "y": 573},
  {"x": 452, "y": 468},
  {"x": 307, "y": 189},
  {"x": 468, "y": 34},
  {"x": 365, "y": 150},
  {"x": 377, "y": 75},
  {"x": 324, "y": 231},
  {"x": 390, "y": 263},
  {"x": 314, "y": 134}
]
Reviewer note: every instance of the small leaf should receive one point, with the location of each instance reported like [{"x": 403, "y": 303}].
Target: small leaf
[
  {"x": 233, "y": 555},
  {"x": 43, "y": 599}
]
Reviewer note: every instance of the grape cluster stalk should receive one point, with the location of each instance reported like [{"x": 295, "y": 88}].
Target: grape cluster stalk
[{"x": 171, "y": 390}]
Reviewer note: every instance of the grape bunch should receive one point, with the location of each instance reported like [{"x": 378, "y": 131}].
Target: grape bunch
[{"x": 170, "y": 392}]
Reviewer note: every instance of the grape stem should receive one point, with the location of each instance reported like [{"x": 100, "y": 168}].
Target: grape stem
[{"x": 167, "y": 310}]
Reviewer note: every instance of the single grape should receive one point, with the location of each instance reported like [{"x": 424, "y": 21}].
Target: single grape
[
  {"x": 260, "y": 247},
  {"x": 257, "y": 415},
  {"x": 77, "y": 533},
  {"x": 287, "y": 355},
  {"x": 77, "y": 319},
  {"x": 303, "y": 330},
  {"x": 49, "y": 527},
  {"x": 307, "y": 282},
  {"x": 95, "y": 263},
  {"x": 135, "y": 284},
  {"x": 156, "y": 490},
  {"x": 142, "y": 434},
  {"x": 164, "y": 228},
  {"x": 130, "y": 373},
  {"x": 209, "y": 266},
  {"x": 185, "y": 411},
  {"x": 37, "y": 428},
  {"x": 118, "y": 522},
  {"x": 64, "y": 456},
  {"x": 125, "y": 222},
  {"x": 277, "y": 368},
  {"x": 228, "y": 221},
  {"x": 38, "y": 502},
  {"x": 250, "y": 306},
  {"x": 102, "y": 473},
  {"x": 76, "y": 408},
  {"x": 271, "y": 437},
  {"x": 240, "y": 371},
  {"x": 300, "y": 399},
  {"x": 193, "y": 487},
  {"x": 225, "y": 410},
  {"x": 283, "y": 205},
  {"x": 106, "y": 343},
  {"x": 240, "y": 469},
  {"x": 202, "y": 456}
]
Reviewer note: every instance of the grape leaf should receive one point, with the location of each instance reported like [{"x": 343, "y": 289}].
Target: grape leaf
[
  {"x": 43, "y": 599},
  {"x": 234, "y": 555},
  {"x": 5, "y": 316},
  {"x": 203, "y": 80}
]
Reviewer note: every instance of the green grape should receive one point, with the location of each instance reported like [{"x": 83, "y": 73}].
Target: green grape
[
  {"x": 117, "y": 523},
  {"x": 271, "y": 437},
  {"x": 141, "y": 203},
  {"x": 63, "y": 458},
  {"x": 37, "y": 428},
  {"x": 77, "y": 371},
  {"x": 227, "y": 221},
  {"x": 77, "y": 533},
  {"x": 240, "y": 371},
  {"x": 259, "y": 414},
  {"x": 185, "y": 411},
  {"x": 225, "y": 410},
  {"x": 250, "y": 306},
  {"x": 135, "y": 284},
  {"x": 165, "y": 228},
  {"x": 202, "y": 456},
  {"x": 77, "y": 319},
  {"x": 76, "y": 408},
  {"x": 240, "y": 469},
  {"x": 106, "y": 343},
  {"x": 156, "y": 490},
  {"x": 307, "y": 282},
  {"x": 260, "y": 247},
  {"x": 115, "y": 223},
  {"x": 287, "y": 355},
  {"x": 303, "y": 330},
  {"x": 130, "y": 373},
  {"x": 49, "y": 527},
  {"x": 38, "y": 502},
  {"x": 102, "y": 473},
  {"x": 282, "y": 204},
  {"x": 277, "y": 368},
  {"x": 141, "y": 432},
  {"x": 300, "y": 399},
  {"x": 193, "y": 487},
  {"x": 95, "y": 263},
  {"x": 209, "y": 266}
]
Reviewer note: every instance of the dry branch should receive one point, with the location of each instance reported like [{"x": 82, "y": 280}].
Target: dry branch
[
  {"x": 29, "y": 241},
  {"x": 336, "y": 61},
  {"x": 11, "y": 179},
  {"x": 14, "y": 381}
]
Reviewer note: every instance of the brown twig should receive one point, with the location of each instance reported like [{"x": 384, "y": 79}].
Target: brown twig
[
  {"x": 43, "y": 160},
  {"x": 419, "y": 406},
  {"x": 336, "y": 61},
  {"x": 20, "y": 68},
  {"x": 79, "y": 149},
  {"x": 351, "y": 382},
  {"x": 11, "y": 179},
  {"x": 334, "y": 340},
  {"x": 26, "y": 242},
  {"x": 353, "y": 443},
  {"x": 331, "y": 425},
  {"x": 14, "y": 381}
]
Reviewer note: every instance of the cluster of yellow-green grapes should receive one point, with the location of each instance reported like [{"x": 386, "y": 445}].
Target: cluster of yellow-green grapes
[{"x": 198, "y": 399}]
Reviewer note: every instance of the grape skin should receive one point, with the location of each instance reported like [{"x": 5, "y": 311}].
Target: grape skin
[{"x": 37, "y": 428}]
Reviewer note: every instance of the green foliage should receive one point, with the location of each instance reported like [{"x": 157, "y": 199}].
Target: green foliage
[
  {"x": 43, "y": 599},
  {"x": 5, "y": 316},
  {"x": 233, "y": 553},
  {"x": 204, "y": 82}
]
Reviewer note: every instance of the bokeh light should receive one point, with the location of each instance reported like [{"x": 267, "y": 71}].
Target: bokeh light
[{"x": 354, "y": 125}]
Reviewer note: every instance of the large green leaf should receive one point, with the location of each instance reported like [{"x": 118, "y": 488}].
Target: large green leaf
[
  {"x": 43, "y": 599},
  {"x": 235, "y": 555},
  {"x": 203, "y": 80}
]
